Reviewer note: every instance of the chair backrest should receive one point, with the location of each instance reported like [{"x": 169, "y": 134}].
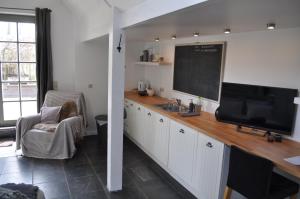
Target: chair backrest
[
  {"x": 58, "y": 98},
  {"x": 249, "y": 175}
]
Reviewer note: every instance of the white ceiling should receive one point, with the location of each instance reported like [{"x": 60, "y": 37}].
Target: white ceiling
[
  {"x": 213, "y": 16},
  {"x": 95, "y": 13},
  {"x": 125, "y": 4}
]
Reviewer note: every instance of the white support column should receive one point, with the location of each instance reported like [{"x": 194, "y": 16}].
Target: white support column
[{"x": 116, "y": 73}]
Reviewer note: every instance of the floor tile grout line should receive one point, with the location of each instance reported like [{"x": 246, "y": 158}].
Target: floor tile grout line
[
  {"x": 167, "y": 181},
  {"x": 32, "y": 164},
  {"x": 98, "y": 178},
  {"x": 67, "y": 182},
  {"x": 136, "y": 185}
]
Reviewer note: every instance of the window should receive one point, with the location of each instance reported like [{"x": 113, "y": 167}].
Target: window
[{"x": 18, "y": 84}]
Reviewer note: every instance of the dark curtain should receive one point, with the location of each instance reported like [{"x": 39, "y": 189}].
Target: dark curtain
[{"x": 43, "y": 54}]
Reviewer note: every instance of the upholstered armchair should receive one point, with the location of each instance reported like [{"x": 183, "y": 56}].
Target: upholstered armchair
[{"x": 59, "y": 141}]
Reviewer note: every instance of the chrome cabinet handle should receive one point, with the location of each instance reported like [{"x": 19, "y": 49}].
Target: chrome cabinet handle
[
  {"x": 181, "y": 131},
  {"x": 139, "y": 108},
  {"x": 161, "y": 120},
  {"x": 149, "y": 114},
  {"x": 131, "y": 104},
  {"x": 209, "y": 144}
]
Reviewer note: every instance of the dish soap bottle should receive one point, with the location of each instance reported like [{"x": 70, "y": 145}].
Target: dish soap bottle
[{"x": 191, "y": 106}]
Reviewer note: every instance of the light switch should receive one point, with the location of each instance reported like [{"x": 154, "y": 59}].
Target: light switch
[{"x": 90, "y": 86}]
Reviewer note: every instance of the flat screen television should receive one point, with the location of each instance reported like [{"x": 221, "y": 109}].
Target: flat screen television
[{"x": 260, "y": 107}]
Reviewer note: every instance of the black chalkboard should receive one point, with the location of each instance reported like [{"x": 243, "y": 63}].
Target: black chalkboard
[{"x": 197, "y": 69}]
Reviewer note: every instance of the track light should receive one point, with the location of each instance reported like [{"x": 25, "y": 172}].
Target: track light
[
  {"x": 196, "y": 34},
  {"x": 174, "y": 37},
  {"x": 271, "y": 26},
  {"x": 227, "y": 31},
  {"x": 156, "y": 39}
]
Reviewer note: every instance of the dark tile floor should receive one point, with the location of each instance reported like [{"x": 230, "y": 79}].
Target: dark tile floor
[{"x": 84, "y": 176}]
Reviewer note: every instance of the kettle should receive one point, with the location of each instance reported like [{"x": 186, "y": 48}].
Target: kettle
[{"x": 142, "y": 86}]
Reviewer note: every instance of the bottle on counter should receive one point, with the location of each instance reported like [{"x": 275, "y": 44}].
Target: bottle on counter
[{"x": 191, "y": 106}]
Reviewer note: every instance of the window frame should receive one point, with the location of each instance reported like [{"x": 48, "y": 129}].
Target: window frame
[{"x": 15, "y": 19}]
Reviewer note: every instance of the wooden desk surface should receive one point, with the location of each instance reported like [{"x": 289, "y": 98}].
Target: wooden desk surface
[{"x": 227, "y": 133}]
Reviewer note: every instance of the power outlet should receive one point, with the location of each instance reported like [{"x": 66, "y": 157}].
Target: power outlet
[
  {"x": 161, "y": 89},
  {"x": 90, "y": 86}
]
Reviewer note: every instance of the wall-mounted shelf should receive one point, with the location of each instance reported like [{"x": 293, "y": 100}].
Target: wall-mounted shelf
[{"x": 153, "y": 63}]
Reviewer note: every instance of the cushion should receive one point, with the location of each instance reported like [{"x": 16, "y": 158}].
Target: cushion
[
  {"x": 68, "y": 109},
  {"x": 46, "y": 127},
  {"x": 50, "y": 114}
]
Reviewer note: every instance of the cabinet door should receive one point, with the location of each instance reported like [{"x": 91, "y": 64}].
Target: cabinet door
[
  {"x": 149, "y": 131},
  {"x": 209, "y": 166},
  {"x": 181, "y": 151},
  {"x": 130, "y": 118},
  {"x": 126, "y": 107},
  {"x": 138, "y": 124},
  {"x": 161, "y": 137}
]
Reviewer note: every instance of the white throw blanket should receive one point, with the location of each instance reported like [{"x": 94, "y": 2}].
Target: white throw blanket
[{"x": 52, "y": 145}]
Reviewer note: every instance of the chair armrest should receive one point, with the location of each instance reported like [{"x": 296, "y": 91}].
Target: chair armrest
[
  {"x": 23, "y": 125},
  {"x": 71, "y": 120},
  {"x": 74, "y": 124}
]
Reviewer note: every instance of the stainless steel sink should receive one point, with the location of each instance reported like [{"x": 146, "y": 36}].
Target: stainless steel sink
[{"x": 168, "y": 107}]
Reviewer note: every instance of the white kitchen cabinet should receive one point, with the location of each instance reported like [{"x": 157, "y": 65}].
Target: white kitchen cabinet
[
  {"x": 149, "y": 131},
  {"x": 139, "y": 124},
  {"x": 126, "y": 107},
  {"x": 156, "y": 140},
  {"x": 181, "y": 151},
  {"x": 191, "y": 157},
  {"x": 130, "y": 121},
  {"x": 161, "y": 138},
  {"x": 209, "y": 164}
]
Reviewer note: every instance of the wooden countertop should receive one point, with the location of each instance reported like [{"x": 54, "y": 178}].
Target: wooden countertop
[{"x": 227, "y": 133}]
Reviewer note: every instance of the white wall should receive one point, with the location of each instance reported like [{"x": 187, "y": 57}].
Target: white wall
[
  {"x": 92, "y": 69},
  {"x": 268, "y": 58},
  {"x": 133, "y": 72}
]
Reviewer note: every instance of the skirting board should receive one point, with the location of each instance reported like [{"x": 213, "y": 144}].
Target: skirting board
[{"x": 297, "y": 100}]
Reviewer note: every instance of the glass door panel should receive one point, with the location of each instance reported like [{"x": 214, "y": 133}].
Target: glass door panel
[
  {"x": 26, "y": 32},
  {"x": 18, "y": 87},
  {"x": 28, "y": 91},
  {"x": 28, "y": 108},
  {"x": 8, "y": 52},
  {"x": 8, "y": 31},
  {"x": 10, "y": 91},
  {"x": 11, "y": 110}
]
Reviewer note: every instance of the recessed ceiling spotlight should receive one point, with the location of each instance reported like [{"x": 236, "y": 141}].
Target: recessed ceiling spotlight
[
  {"x": 196, "y": 34},
  {"x": 174, "y": 37},
  {"x": 271, "y": 26},
  {"x": 227, "y": 31},
  {"x": 156, "y": 39}
]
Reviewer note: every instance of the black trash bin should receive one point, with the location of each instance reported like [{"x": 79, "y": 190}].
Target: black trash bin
[{"x": 101, "y": 123}]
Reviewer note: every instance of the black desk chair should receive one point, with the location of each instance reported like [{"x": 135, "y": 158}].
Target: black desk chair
[{"x": 253, "y": 177}]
